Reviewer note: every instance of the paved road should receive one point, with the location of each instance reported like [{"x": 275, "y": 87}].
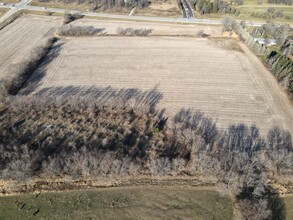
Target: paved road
[
  {"x": 187, "y": 8},
  {"x": 24, "y": 4}
]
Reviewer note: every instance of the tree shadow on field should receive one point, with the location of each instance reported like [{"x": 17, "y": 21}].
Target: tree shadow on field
[
  {"x": 106, "y": 95},
  {"x": 35, "y": 80}
]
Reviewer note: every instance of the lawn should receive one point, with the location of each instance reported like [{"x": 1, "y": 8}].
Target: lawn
[{"x": 123, "y": 203}]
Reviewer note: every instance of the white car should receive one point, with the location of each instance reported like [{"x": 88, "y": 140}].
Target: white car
[{"x": 1, "y": 4}]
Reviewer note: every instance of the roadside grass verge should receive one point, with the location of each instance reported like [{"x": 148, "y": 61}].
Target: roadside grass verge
[{"x": 125, "y": 202}]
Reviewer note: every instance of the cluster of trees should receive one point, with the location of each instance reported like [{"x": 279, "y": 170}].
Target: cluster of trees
[
  {"x": 217, "y": 6},
  {"x": 133, "y": 32},
  {"x": 69, "y": 30},
  {"x": 107, "y": 4},
  {"x": 201, "y": 33},
  {"x": 282, "y": 68},
  {"x": 287, "y": 47},
  {"x": 280, "y": 65},
  {"x": 69, "y": 17},
  {"x": 271, "y": 13},
  {"x": 85, "y": 137}
]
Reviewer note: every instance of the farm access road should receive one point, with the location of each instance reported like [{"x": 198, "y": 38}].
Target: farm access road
[{"x": 24, "y": 4}]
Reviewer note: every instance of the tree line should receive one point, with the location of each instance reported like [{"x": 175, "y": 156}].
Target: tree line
[
  {"x": 215, "y": 6},
  {"x": 277, "y": 61},
  {"x": 107, "y": 4}
]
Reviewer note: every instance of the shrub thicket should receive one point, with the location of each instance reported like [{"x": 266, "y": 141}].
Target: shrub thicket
[
  {"x": 77, "y": 31},
  {"x": 133, "y": 32}
]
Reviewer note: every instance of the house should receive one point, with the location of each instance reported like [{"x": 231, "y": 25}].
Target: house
[{"x": 267, "y": 42}]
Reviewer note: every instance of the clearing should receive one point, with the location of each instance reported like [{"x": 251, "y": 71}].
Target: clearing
[
  {"x": 25, "y": 33},
  {"x": 125, "y": 202},
  {"x": 217, "y": 76}
]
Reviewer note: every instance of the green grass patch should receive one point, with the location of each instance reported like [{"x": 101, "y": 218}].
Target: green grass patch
[
  {"x": 119, "y": 203},
  {"x": 289, "y": 206}
]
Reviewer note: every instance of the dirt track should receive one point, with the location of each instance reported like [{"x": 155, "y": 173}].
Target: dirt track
[
  {"x": 228, "y": 85},
  {"x": 14, "y": 188},
  {"x": 19, "y": 38}
]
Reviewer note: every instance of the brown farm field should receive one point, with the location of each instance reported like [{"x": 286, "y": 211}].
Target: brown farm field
[
  {"x": 219, "y": 77},
  {"x": 19, "y": 38}
]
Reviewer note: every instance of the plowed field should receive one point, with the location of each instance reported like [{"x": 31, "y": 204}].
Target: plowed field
[{"x": 221, "y": 78}]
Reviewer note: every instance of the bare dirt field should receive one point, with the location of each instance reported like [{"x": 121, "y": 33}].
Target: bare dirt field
[
  {"x": 19, "y": 38},
  {"x": 158, "y": 28},
  {"x": 221, "y": 78}
]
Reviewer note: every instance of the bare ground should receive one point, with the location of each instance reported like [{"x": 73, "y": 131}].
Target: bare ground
[
  {"x": 218, "y": 79},
  {"x": 19, "y": 38}
]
